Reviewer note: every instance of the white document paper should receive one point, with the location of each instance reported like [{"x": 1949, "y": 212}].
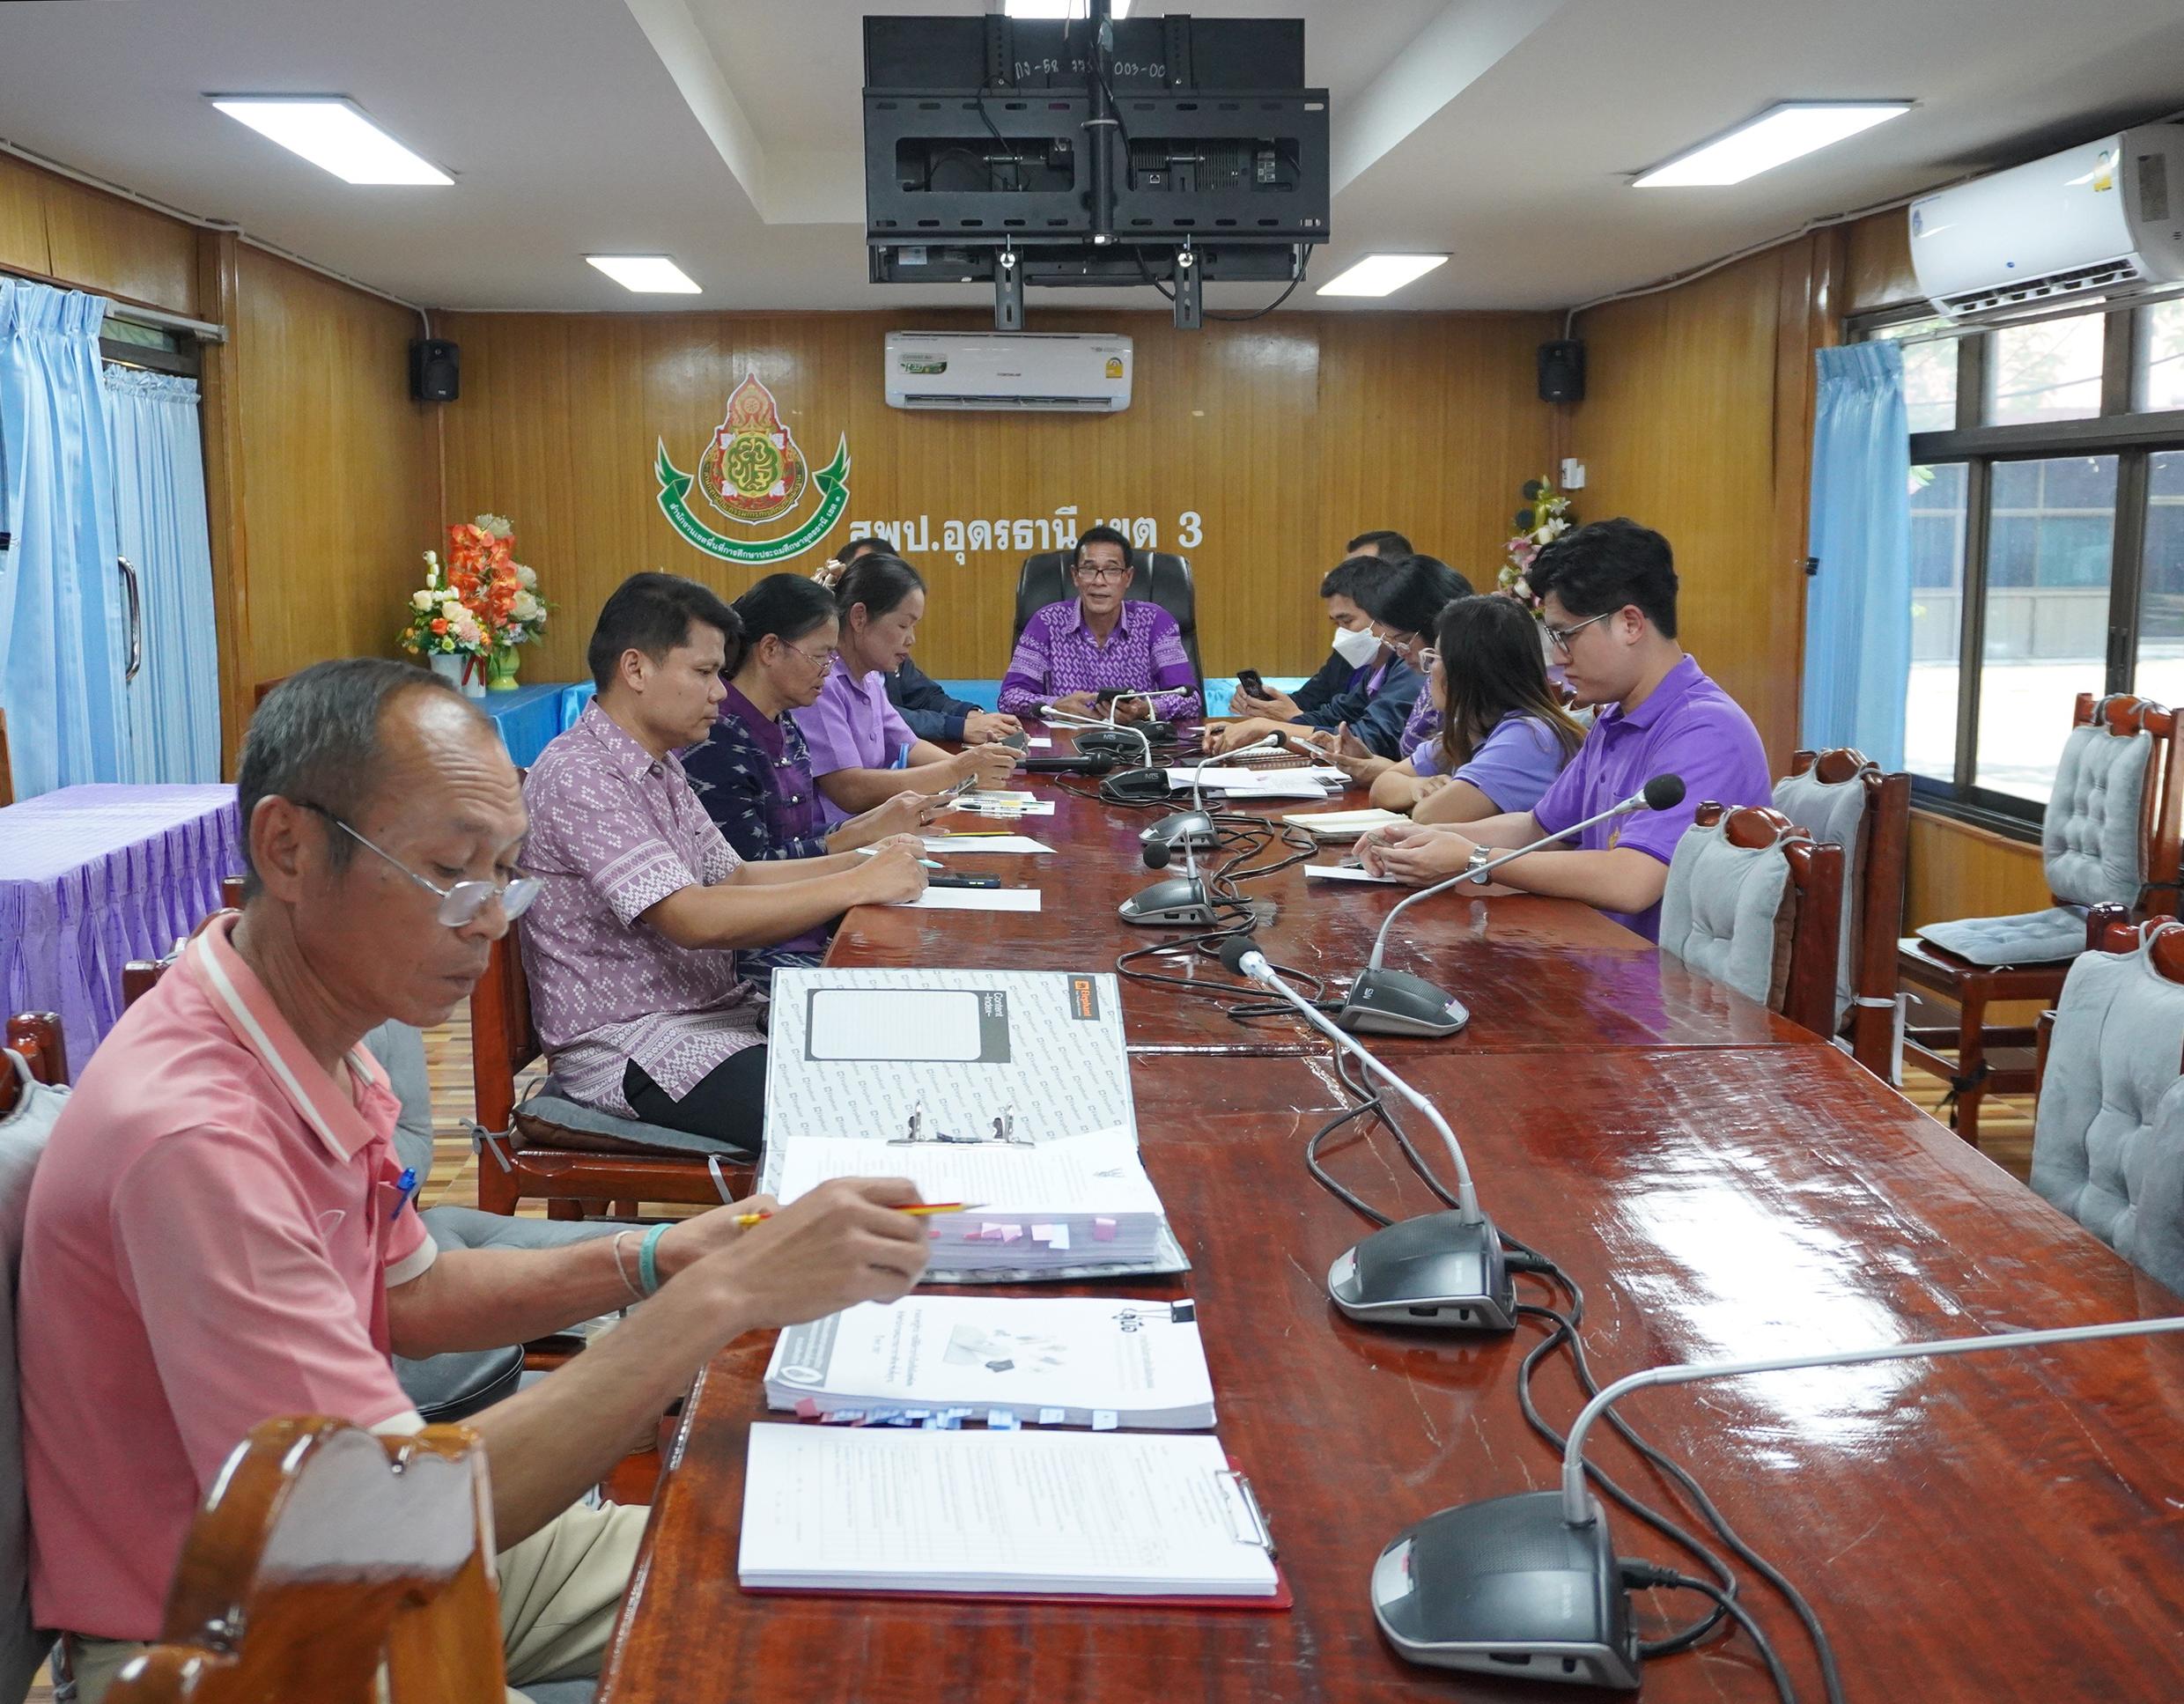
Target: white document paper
[
  {"x": 969, "y": 845},
  {"x": 1038, "y": 741},
  {"x": 1341, "y": 824},
  {"x": 976, "y": 899},
  {"x": 1017, "y": 805},
  {"x": 1122, "y": 1514},
  {"x": 1097, "y": 1174},
  {"x": 1349, "y": 873},
  {"x": 1024, "y": 1356}
]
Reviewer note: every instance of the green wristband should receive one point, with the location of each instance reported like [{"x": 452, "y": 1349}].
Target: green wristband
[{"x": 648, "y": 1260}]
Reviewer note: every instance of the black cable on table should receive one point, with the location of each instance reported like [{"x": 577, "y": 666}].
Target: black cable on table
[{"x": 1636, "y": 1573}]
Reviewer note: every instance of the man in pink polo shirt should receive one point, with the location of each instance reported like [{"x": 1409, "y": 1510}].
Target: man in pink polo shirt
[{"x": 216, "y": 1234}]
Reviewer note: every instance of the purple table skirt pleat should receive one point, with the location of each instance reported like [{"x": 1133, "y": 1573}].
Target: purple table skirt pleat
[{"x": 91, "y": 877}]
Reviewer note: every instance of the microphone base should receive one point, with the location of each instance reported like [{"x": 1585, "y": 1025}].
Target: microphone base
[
  {"x": 1191, "y": 828},
  {"x": 1509, "y": 1588},
  {"x": 1178, "y": 903},
  {"x": 1430, "y": 1271},
  {"x": 1136, "y": 786},
  {"x": 1395, "y": 1003}
]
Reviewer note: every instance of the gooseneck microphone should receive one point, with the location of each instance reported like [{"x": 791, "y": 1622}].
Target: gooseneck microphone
[
  {"x": 1395, "y": 1003},
  {"x": 1443, "y": 1269},
  {"x": 1180, "y": 902},
  {"x": 1194, "y": 828},
  {"x": 1529, "y": 1585}
]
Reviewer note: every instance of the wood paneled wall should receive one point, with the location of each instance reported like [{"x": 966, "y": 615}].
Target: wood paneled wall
[
  {"x": 1283, "y": 438},
  {"x": 1697, "y": 421},
  {"x": 338, "y": 475},
  {"x": 63, "y": 230}
]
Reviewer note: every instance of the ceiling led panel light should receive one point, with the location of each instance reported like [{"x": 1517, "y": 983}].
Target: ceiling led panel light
[
  {"x": 1776, "y": 136},
  {"x": 1381, "y": 275},
  {"x": 333, "y": 134},
  {"x": 653, "y": 275}
]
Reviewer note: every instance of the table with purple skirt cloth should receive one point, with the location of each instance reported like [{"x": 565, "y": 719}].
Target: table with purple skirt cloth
[{"x": 93, "y": 876}]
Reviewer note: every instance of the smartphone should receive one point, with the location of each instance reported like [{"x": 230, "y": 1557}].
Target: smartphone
[
  {"x": 1015, "y": 741},
  {"x": 959, "y": 788},
  {"x": 1250, "y": 681},
  {"x": 1107, "y": 694},
  {"x": 962, "y": 881}
]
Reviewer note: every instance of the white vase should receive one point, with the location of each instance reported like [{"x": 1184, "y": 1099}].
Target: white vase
[{"x": 459, "y": 671}]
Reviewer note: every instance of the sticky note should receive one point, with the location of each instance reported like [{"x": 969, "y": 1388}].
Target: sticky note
[
  {"x": 1051, "y": 1416},
  {"x": 1104, "y": 1419},
  {"x": 1012, "y": 1233},
  {"x": 1102, "y": 1230},
  {"x": 1001, "y": 1419},
  {"x": 806, "y": 1408}
]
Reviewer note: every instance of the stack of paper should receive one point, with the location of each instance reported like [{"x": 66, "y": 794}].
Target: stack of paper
[
  {"x": 1341, "y": 824},
  {"x": 1239, "y": 783},
  {"x": 1066, "y": 1203},
  {"x": 1073, "y": 1361},
  {"x": 1112, "y": 1514}
]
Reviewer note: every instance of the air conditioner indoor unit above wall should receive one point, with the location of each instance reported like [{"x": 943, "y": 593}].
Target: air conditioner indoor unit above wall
[
  {"x": 1084, "y": 372},
  {"x": 2103, "y": 220}
]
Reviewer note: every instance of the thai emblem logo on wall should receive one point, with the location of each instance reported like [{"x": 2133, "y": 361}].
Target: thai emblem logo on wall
[{"x": 753, "y": 472}]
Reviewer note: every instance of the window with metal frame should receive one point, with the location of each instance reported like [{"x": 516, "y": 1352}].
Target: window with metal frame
[{"x": 2046, "y": 540}]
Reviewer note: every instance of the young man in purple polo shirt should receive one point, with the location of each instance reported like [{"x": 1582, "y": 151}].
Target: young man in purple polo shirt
[
  {"x": 1607, "y": 592},
  {"x": 1099, "y": 642}
]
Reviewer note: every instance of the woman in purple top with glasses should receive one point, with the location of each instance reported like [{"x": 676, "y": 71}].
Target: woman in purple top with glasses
[
  {"x": 1100, "y": 648},
  {"x": 753, "y": 772},
  {"x": 862, "y": 752},
  {"x": 1504, "y": 735}
]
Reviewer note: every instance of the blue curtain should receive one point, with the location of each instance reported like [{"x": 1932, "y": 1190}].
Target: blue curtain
[
  {"x": 1857, "y": 630},
  {"x": 159, "y": 465},
  {"x": 63, "y": 642}
]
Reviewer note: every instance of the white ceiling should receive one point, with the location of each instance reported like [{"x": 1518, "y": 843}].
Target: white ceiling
[{"x": 727, "y": 132}]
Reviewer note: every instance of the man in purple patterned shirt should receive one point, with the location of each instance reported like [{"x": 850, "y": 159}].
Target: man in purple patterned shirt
[
  {"x": 1101, "y": 643},
  {"x": 630, "y": 946}
]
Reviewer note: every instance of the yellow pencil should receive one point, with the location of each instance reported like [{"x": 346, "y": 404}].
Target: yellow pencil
[{"x": 922, "y": 1210}]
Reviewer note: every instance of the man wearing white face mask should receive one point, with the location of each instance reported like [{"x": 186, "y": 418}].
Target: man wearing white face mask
[{"x": 1361, "y": 672}]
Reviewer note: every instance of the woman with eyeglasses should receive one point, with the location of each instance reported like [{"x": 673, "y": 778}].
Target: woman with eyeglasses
[
  {"x": 862, "y": 752},
  {"x": 1504, "y": 735},
  {"x": 753, "y": 771}
]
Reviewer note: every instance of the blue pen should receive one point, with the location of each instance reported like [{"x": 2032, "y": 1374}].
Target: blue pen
[{"x": 405, "y": 1187}]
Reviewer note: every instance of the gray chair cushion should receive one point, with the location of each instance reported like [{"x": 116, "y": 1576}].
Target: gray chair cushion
[
  {"x": 2035, "y": 938},
  {"x": 561, "y": 1692},
  {"x": 2089, "y": 840},
  {"x": 23, "y": 1134},
  {"x": 548, "y": 1117},
  {"x": 1726, "y": 911},
  {"x": 2108, "y": 1134},
  {"x": 1834, "y": 815}
]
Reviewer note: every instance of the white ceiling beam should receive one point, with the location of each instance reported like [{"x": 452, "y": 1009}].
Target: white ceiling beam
[
  {"x": 1467, "y": 39},
  {"x": 681, "y": 45}
]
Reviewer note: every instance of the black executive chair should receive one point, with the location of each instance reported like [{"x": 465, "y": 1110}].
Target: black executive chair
[{"x": 1160, "y": 578}]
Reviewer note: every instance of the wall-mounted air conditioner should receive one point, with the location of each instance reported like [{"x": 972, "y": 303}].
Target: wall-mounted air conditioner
[
  {"x": 1081, "y": 373},
  {"x": 2105, "y": 219}
]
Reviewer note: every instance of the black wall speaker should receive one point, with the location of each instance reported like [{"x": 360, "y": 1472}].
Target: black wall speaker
[
  {"x": 436, "y": 370},
  {"x": 1562, "y": 372}
]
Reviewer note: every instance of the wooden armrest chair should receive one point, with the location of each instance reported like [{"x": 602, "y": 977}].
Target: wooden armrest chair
[
  {"x": 323, "y": 1553},
  {"x": 36, "y": 1036},
  {"x": 1959, "y": 1054},
  {"x": 2108, "y": 1132},
  {"x": 1769, "y": 927},
  {"x": 519, "y": 1160},
  {"x": 7, "y": 774},
  {"x": 1843, "y": 798}
]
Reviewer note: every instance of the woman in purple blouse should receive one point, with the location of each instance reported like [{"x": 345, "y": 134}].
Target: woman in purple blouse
[
  {"x": 862, "y": 752},
  {"x": 1504, "y": 736},
  {"x": 753, "y": 772}
]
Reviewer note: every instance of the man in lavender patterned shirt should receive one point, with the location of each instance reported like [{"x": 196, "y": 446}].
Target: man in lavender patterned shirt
[
  {"x": 630, "y": 946},
  {"x": 1099, "y": 642}
]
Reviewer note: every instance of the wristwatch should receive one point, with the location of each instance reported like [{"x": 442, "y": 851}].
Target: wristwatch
[{"x": 1474, "y": 867}]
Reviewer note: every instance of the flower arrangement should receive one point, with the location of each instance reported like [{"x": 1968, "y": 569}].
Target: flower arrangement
[
  {"x": 1546, "y": 518},
  {"x": 477, "y": 606}
]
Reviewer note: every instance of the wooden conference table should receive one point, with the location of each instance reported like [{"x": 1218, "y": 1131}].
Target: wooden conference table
[{"x": 1982, "y": 1528}]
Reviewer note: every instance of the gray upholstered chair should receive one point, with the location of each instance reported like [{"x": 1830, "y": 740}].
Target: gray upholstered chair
[
  {"x": 1841, "y": 798},
  {"x": 1753, "y": 901},
  {"x": 447, "y": 1387},
  {"x": 2109, "y": 838},
  {"x": 2109, "y": 1136}
]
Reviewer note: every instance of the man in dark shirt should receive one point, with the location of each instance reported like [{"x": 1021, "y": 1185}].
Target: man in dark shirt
[{"x": 928, "y": 710}]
